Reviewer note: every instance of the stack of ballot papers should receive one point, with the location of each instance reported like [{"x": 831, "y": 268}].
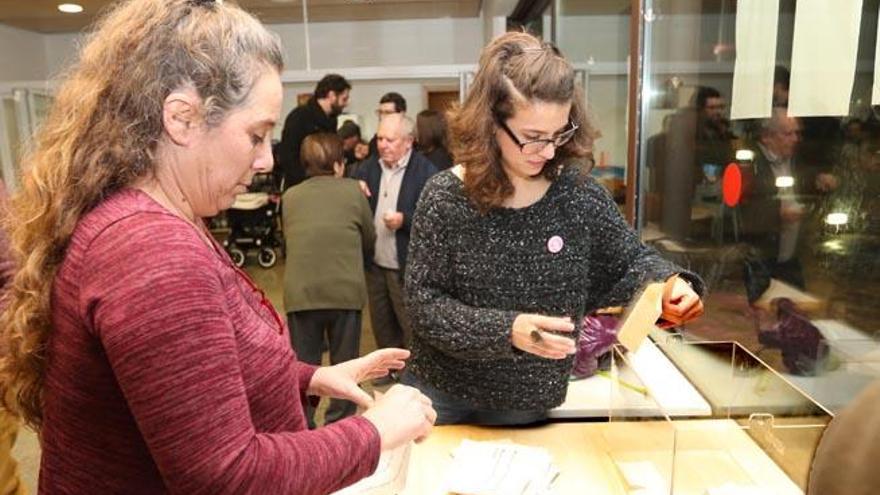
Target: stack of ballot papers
[
  {"x": 389, "y": 478},
  {"x": 499, "y": 468}
]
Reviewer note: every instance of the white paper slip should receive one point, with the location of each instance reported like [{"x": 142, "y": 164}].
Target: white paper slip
[
  {"x": 757, "y": 23},
  {"x": 499, "y": 468},
  {"x": 389, "y": 477},
  {"x": 642, "y": 478},
  {"x": 875, "y": 91},
  {"x": 735, "y": 489},
  {"x": 823, "y": 57}
]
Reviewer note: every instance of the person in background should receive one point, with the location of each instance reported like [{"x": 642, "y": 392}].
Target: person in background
[
  {"x": 10, "y": 480},
  {"x": 389, "y": 104},
  {"x": 772, "y": 207},
  {"x": 350, "y": 133},
  {"x": 431, "y": 138},
  {"x": 394, "y": 180},
  {"x": 361, "y": 153},
  {"x": 781, "y": 81},
  {"x": 145, "y": 359},
  {"x": 517, "y": 242},
  {"x": 361, "y": 150},
  {"x": 328, "y": 227},
  {"x": 319, "y": 114},
  {"x": 714, "y": 140}
]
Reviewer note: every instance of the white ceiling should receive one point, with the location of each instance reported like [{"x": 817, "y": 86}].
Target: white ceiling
[{"x": 43, "y": 15}]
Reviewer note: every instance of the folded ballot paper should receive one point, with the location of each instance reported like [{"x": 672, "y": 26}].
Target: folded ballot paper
[
  {"x": 499, "y": 468},
  {"x": 640, "y": 316},
  {"x": 389, "y": 478}
]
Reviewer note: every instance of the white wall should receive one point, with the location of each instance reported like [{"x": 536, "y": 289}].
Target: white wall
[
  {"x": 343, "y": 46},
  {"x": 383, "y": 43},
  {"x": 349, "y": 44},
  {"x": 603, "y": 37},
  {"x": 603, "y": 40},
  {"x": 22, "y": 56},
  {"x": 60, "y": 49}
]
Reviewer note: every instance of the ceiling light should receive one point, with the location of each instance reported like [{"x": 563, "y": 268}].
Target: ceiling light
[
  {"x": 784, "y": 181},
  {"x": 837, "y": 219},
  {"x": 70, "y": 8},
  {"x": 745, "y": 155}
]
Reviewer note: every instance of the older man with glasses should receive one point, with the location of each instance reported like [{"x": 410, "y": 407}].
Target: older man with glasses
[
  {"x": 395, "y": 179},
  {"x": 389, "y": 104}
]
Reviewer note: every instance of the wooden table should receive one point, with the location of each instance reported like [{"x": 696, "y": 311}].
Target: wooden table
[{"x": 710, "y": 453}]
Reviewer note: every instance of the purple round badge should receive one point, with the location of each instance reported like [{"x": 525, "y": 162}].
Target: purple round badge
[{"x": 554, "y": 244}]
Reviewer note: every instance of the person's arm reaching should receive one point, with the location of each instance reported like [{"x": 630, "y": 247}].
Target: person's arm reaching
[{"x": 162, "y": 319}]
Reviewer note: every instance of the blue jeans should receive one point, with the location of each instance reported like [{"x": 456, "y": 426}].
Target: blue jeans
[{"x": 455, "y": 410}]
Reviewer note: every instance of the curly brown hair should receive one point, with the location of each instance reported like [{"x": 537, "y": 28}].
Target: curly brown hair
[
  {"x": 101, "y": 135},
  {"x": 515, "y": 69}
]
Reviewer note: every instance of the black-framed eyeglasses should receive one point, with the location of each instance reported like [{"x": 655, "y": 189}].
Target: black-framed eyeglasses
[{"x": 535, "y": 146}]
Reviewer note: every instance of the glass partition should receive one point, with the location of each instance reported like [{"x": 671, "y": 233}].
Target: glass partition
[
  {"x": 760, "y": 435},
  {"x": 639, "y": 437},
  {"x": 793, "y": 265},
  {"x": 595, "y": 37}
]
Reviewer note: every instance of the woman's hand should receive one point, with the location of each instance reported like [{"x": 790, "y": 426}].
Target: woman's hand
[
  {"x": 341, "y": 381},
  {"x": 530, "y": 333},
  {"x": 401, "y": 414},
  {"x": 680, "y": 303}
]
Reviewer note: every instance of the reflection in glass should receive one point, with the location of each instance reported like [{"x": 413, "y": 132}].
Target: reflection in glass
[{"x": 792, "y": 253}]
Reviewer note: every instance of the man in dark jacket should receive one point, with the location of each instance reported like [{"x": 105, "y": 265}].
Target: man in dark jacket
[
  {"x": 316, "y": 115},
  {"x": 777, "y": 195},
  {"x": 389, "y": 104},
  {"x": 395, "y": 179}
]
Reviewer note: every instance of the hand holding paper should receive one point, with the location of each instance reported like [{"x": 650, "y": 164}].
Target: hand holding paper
[
  {"x": 680, "y": 303},
  {"x": 400, "y": 415},
  {"x": 534, "y": 334}
]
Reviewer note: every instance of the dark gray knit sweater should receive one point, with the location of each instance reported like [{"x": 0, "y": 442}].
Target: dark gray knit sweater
[{"x": 469, "y": 276}]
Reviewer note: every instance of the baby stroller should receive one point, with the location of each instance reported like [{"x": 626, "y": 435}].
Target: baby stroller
[{"x": 253, "y": 223}]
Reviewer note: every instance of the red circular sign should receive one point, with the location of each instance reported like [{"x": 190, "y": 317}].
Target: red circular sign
[{"x": 731, "y": 185}]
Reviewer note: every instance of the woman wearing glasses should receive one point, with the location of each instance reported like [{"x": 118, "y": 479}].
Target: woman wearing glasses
[
  {"x": 515, "y": 244},
  {"x": 146, "y": 360}
]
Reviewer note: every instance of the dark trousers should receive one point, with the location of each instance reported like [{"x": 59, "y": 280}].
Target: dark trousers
[
  {"x": 387, "y": 312},
  {"x": 342, "y": 328}
]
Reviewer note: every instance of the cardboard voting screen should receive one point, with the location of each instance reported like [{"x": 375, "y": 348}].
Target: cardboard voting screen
[{"x": 640, "y": 316}]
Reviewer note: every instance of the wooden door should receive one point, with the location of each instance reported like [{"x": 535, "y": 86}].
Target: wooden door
[{"x": 441, "y": 100}]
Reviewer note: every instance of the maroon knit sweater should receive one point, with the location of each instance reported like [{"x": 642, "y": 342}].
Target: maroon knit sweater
[{"x": 167, "y": 374}]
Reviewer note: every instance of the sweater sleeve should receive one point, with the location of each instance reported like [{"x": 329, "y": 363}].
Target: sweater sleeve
[
  {"x": 458, "y": 329},
  {"x": 158, "y": 307},
  {"x": 622, "y": 263},
  {"x": 365, "y": 223}
]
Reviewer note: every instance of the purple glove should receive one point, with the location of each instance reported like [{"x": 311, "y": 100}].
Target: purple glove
[{"x": 598, "y": 333}]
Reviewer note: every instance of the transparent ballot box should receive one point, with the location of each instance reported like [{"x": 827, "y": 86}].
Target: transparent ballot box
[
  {"x": 640, "y": 447},
  {"x": 759, "y": 437}
]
